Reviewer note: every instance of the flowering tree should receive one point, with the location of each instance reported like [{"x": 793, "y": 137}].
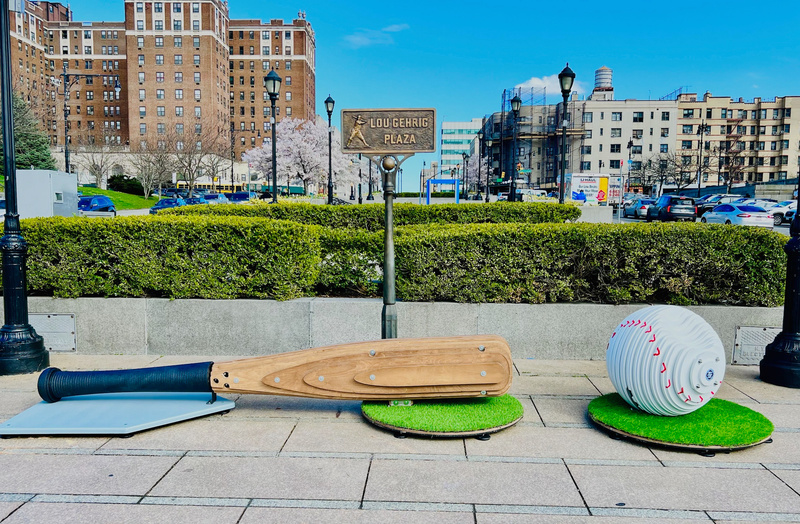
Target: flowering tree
[
  {"x": 302, "y": 155},
  {"x": 474, "y": 178}
]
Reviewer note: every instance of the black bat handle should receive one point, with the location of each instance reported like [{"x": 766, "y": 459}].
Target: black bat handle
[{"x": 55, "y": 384}]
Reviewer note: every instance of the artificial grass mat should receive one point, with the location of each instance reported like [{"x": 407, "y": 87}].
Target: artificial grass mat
[
  {"x": 447, "y": 416},
  {"x": 720, "y": 423}
]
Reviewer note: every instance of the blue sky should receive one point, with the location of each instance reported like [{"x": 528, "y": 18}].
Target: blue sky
[{"x": 459, "y": 56}]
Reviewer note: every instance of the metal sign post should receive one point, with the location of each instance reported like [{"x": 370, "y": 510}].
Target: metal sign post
[{"x": 389, "y": 137}]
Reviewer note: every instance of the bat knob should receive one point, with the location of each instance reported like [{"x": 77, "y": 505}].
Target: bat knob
[{"x": 44, "y": 385}]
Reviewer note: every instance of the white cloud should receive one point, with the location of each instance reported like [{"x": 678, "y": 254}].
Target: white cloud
[
  {"x": 368, "y": 37},
  {"x": 396, "y": 28},
  {"x": 550, "y": 84}
]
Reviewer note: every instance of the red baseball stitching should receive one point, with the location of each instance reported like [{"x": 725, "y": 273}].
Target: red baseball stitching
[
  {"x": 663, "y": 367},
  {"x": 654, "y": 338},
  {"x": 657, "y": 353},
  {"x": 669, "y": 383}
]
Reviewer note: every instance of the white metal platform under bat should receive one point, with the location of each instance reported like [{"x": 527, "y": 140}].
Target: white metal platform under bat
[{"x": 112, "y": 414}]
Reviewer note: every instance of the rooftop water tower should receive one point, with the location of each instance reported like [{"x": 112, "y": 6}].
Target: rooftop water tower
[{"x": 603, "y": 89}]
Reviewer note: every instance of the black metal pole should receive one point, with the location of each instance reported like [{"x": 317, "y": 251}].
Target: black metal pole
[
  {"x": 488, "y": 170},
  {"x": 781, "y": 362},
  {"x": 272, "y": 99},
  {"x": 330, "y": 162},
  {"x": 563, "y": 179},
  {"x": 21, "y": 349},
  {"x": 512, "y": 192},
  {"x": 369, "y": 187},
  {"x": 389, "y": 313},
  {"x": 360, "y": 201},
  {"x": 700, "y": 159},
  {"x": 65, "y": 80}
]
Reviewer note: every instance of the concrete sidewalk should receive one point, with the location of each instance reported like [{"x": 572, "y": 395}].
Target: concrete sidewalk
[{"x": 287, "y": 460}]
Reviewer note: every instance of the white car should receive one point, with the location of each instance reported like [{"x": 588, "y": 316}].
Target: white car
[
  {"x": 739, "y": 214},
  {"x": 779, "y": 211}
]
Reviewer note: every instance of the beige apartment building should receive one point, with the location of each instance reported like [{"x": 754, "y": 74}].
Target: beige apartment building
[
  {"x": 188, "y": 75},
  {"x": 744, "y": 141}
]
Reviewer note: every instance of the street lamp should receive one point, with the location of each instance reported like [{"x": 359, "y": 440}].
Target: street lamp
[
  {"x": 273, "y": 84},
  {"x": 630, "y": 150},
  {"x": 465, "y": 158},
  {"x": 488, "y": 166},
  {"x": 329, "y": 103},
  {"x": 480, "y": 157},
  {"x": 701, "y": 130},
  {"x": 360, "y": 201},
  {"x": 369, "y": 183},
  {"x": 565, "y": 78},
  {"x": 21, "y": 348},
  {"x": 69, "y": 80},
  {"x": 516, "y": 103}
]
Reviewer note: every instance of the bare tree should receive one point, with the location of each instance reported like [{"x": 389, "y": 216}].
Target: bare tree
[
  {"x": 153, "y": 162},
  {"x": 216, "y": 158},
  {"x": 97, "y": 157},
  {"x": 191, "y": 146}
]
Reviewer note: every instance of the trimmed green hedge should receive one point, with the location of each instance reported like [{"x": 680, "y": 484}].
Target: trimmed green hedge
[
  {"x": 240, "y": 257},
  {"x": 603, "y": 263},
  {"x": 370, "y": 216},
  {"x": 178, "y": 257}
]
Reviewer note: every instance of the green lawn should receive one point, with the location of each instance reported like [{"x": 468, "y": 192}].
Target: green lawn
[{"x": 122, "y": 200}]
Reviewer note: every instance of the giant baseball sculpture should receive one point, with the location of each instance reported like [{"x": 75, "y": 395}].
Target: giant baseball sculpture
[{"x": 665, "y": 360}]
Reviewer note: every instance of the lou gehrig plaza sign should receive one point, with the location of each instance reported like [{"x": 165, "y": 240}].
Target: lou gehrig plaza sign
[{"x": 388, "y": 131}]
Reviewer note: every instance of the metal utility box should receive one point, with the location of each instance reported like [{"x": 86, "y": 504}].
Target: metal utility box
[{"x": 43, "y": 193}]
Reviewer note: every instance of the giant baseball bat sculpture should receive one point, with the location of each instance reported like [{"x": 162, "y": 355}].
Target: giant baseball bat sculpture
[{"x": 413, "y": 368}]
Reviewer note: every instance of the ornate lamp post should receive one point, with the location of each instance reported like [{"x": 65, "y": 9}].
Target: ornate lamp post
[
  {"x": 360, "y": 201},
  {"x": 21, "y": 348},
  {"x": 329, "y": 103},
  {"x": 566, "y": 77},
  {"x": 488, "y": 166},
  {"x": 781, "y": 362},
  {"x": 69, "y": 80},
  {"x": 516, "y": 103},
  {"x": 273, "y": 84},
  {"x": 464, "y": 174}
]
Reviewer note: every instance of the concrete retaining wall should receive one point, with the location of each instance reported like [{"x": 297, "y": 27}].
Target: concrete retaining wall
[{"x": 136, "y": 326}]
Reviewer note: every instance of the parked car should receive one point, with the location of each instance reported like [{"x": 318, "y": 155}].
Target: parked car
[
  {"x": 766, "y": 203},
  {"x": 739, "y": 214},
  {"x": 96, "y": 203},
  {"x": 215, "y": 198},
  {"x": 672, "y": 207},
  {"x": 193, "y": 201},
  {"x": 240, "y": 197},
  {"x": 709, "y": 202},
  {"x": 167, "y": 203},
  {"x": 637, "y": 208},
  {"x": 779, "y": 211}
]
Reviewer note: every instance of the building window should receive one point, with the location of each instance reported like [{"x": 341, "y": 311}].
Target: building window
[
  {"x": 615, "y": 148},
  {"x": 636, "y": 150},
  {"x": 178, "y": 110},
  {"x": 178, "y": 59},
  {"x": 195, "y": 25},
  {"x": 686, "y": 144},
  {"x": 161, "y": 128},
  {"x": 158, "y": 7},
  {"x": 159, "y": 41},
  {"x": 688, "y": 113},
  {"x": 638, "y": 116},
  {"x": 616, "y": 117},
  {"x": 288, "y": 96},
  {"x": 688, "y": 129},
  {"x": 140, "y": 42},
  {"x": 177, "y": 25},
  {"x": 141, "y": 77},
  {"x": 586, "y": 150},
  {"x": 664, "y": 148},
  {"x": 178, "y": 77},
  {"x": 141, "y": 94},
  {"x": 197, "y": 78},
  {"x": 142, "y": 111},
  {"x": 140, "y": 7},
  {"x": 615, "y": 164},
  {"x": 197, "y": 94},
  {"x": 159, "y": 94},
  {"x": 140, "y": 25},
  {"x": 196, "y": 42},
  {"x": 179, "y": 94},
  {"x": 177, "y": 41},
  {"x": 587, "y": 118},
  {"x": 160, "y": 77},
  {"x": 195, "y": 7},
  {"x": 664, "y": 132},
  {"x": 197, "y": 112},
  {"x": 160, "y": 111},
  {"x": 288, "y": 80},
  {"x": 159, "y": 59}
]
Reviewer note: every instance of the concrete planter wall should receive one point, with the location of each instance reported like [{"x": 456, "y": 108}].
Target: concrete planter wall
[{"x": 137, "y": 326}]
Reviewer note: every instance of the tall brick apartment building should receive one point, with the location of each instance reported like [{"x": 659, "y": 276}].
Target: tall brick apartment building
[{"x": 186, "y": 69}]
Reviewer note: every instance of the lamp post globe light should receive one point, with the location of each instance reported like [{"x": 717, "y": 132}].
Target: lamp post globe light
[
  {"x": 21, "y": 348},
  {"x": 329, "y": 103},
  {"x": 516, "y": 104},
  {"x": 273, "y": 84},
  {"x": 565, "y": 78}
]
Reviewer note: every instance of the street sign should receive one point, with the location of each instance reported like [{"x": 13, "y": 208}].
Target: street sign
[
  {"x": 385, "y": 131},
  {"x": 524, "y": 170}
]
